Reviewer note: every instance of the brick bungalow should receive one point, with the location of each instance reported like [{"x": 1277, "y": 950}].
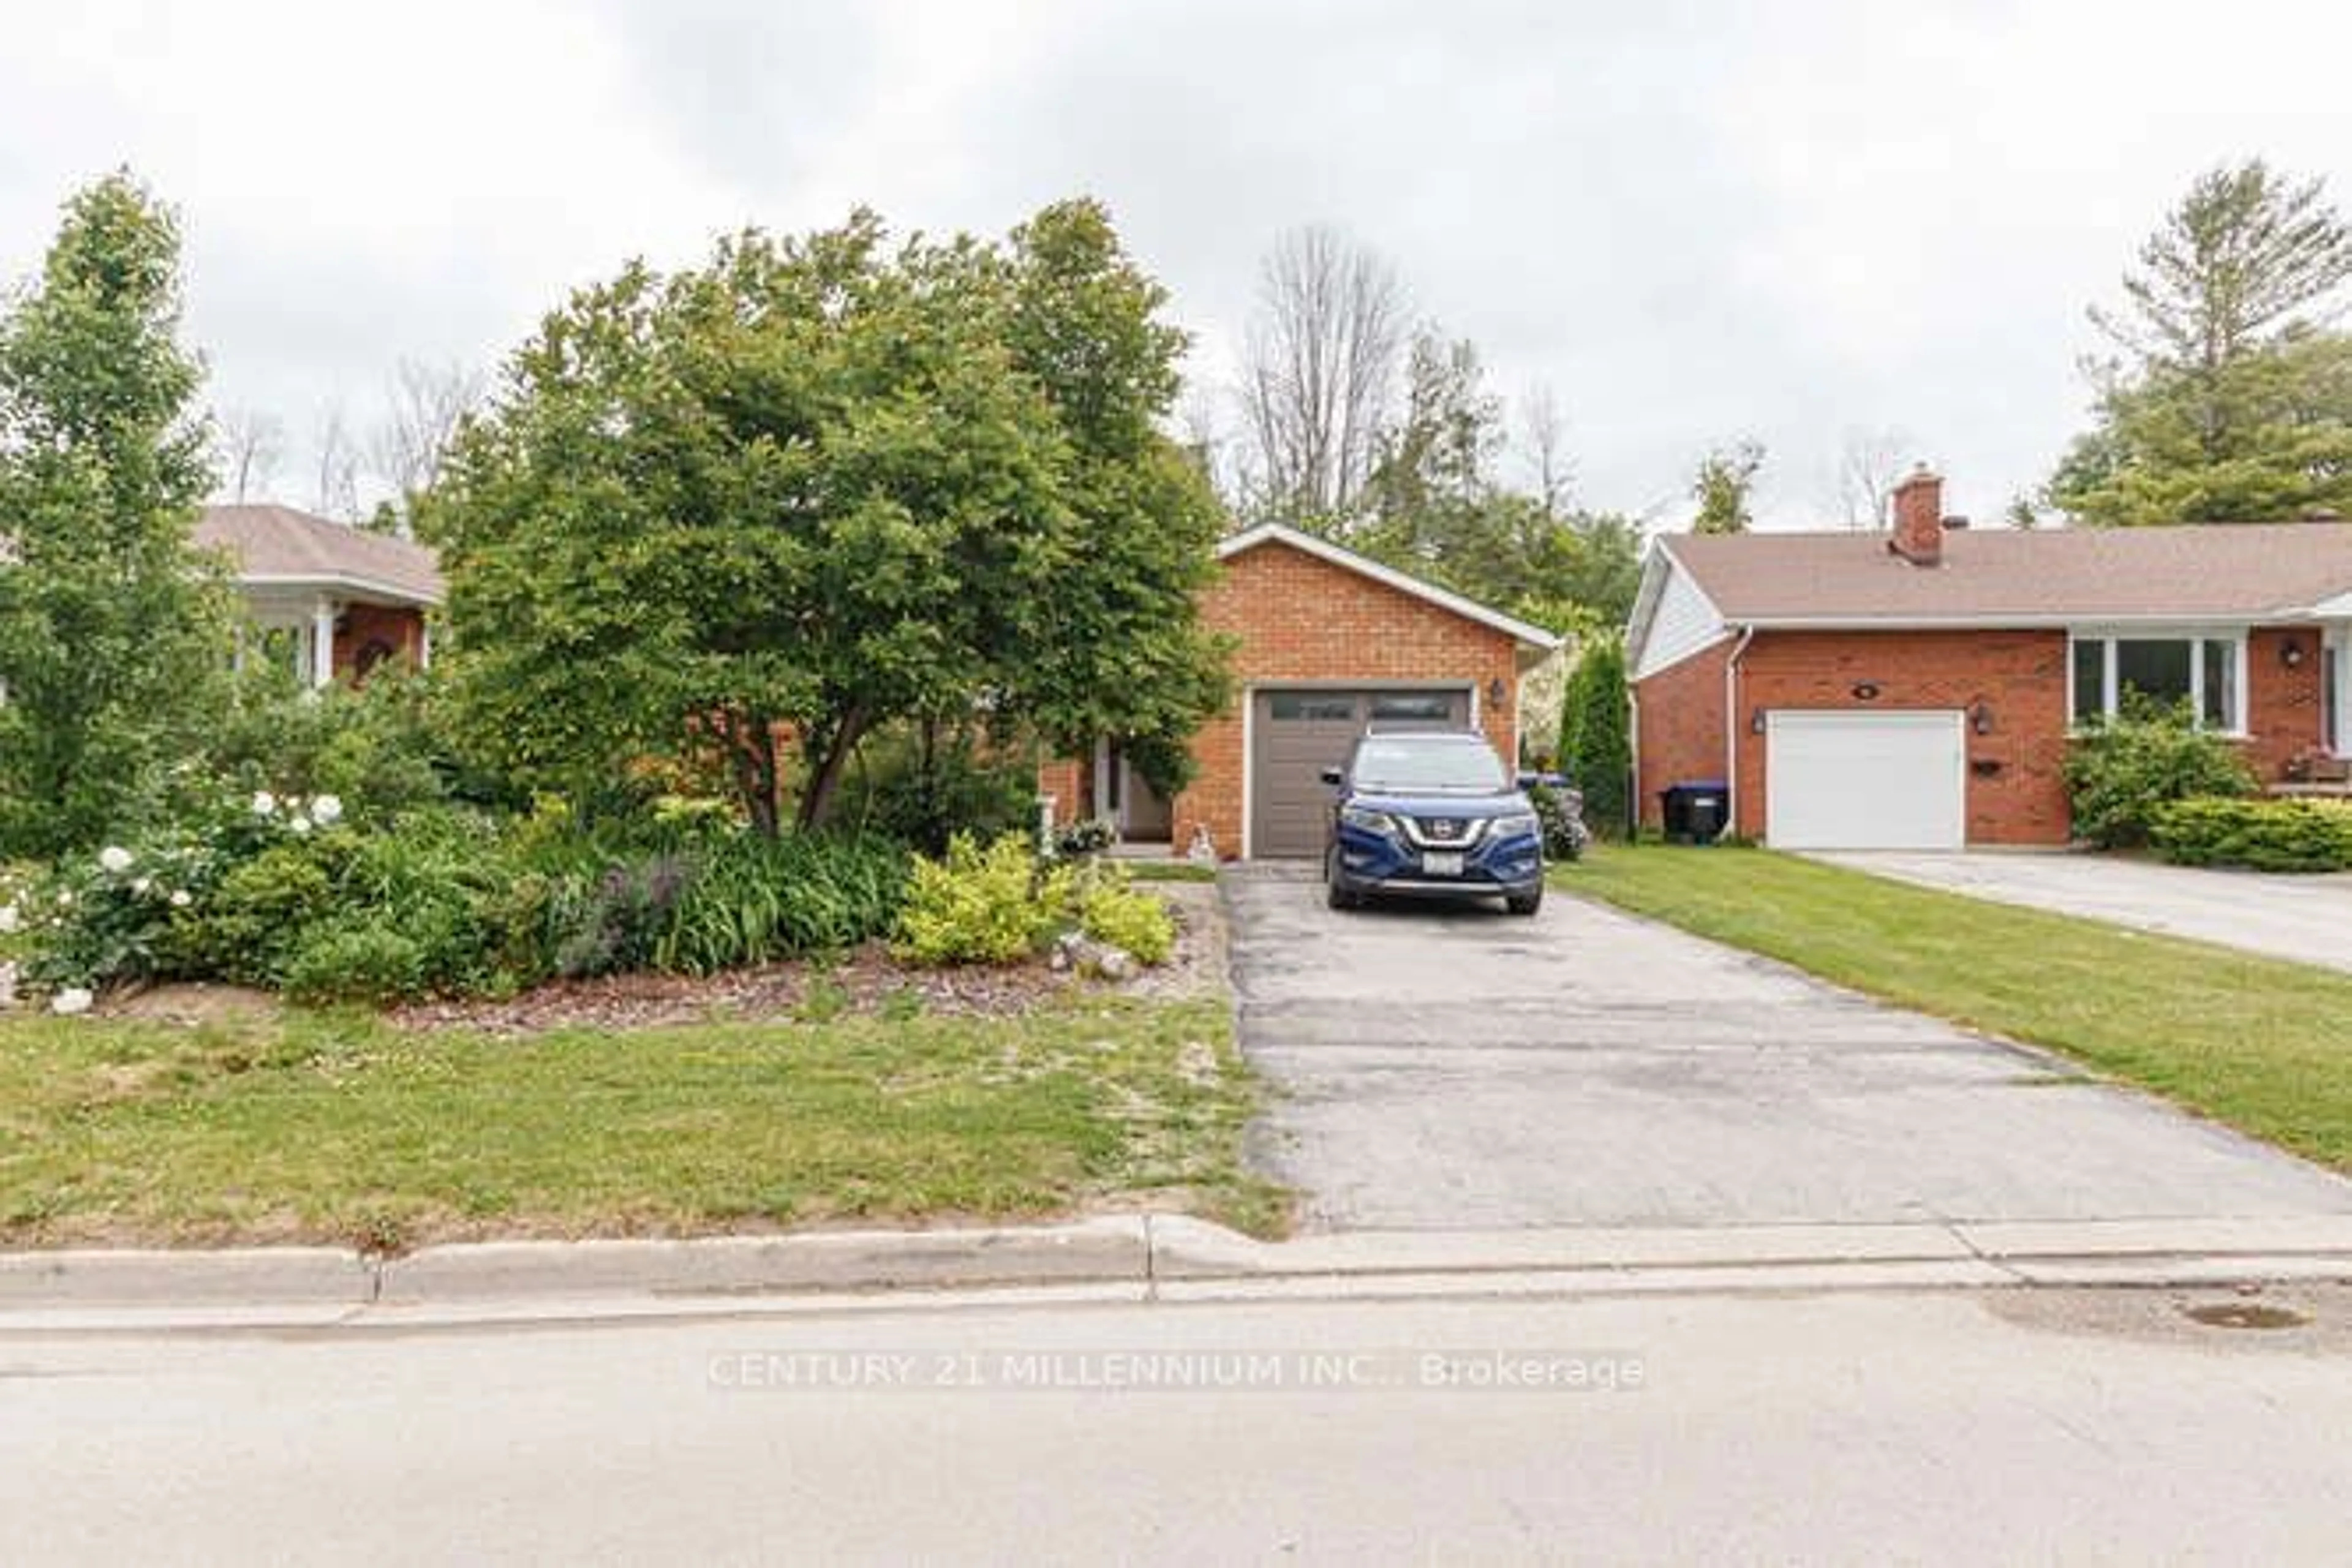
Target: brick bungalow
[
  {"x": 1327, "y": 642},
  {"x": 1918, "y": 690},
  {"x": 348, "y": 600}
]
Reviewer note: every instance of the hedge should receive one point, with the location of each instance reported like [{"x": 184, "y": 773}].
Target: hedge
[{"x": 2260, "y": 835}]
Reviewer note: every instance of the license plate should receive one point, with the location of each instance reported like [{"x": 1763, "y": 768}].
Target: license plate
[{"x": 1441, "y": 865}]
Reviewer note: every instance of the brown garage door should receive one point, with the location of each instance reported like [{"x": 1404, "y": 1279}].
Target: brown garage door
[{"x": 1296, "y": 734}]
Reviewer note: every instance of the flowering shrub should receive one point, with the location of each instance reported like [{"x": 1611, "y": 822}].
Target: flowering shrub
[
  {"x": 204, "y": 902},
  {"x": 283, "y": 891}
]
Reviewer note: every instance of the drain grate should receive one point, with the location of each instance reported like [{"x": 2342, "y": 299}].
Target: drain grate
[{"x": 2246, "y": 1315}]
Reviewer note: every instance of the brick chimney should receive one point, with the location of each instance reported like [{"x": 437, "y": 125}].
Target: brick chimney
[{"x": 1918, "y": 535}]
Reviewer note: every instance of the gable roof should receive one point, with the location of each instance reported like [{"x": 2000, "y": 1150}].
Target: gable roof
[
  {"x": 2219, "y": 571},
  {"x": 279, "y": 546},
  {"x": 1404, "y": 583}
]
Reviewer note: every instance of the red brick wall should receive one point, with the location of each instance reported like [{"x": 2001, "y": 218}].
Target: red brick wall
[
  {"x": 401, "y": 630},
  {"x": 2020, "y": 674},
  {"x": 1679, "y": 712},
  {"x": 2283, "y": 705},
  {"x": 1299, "y": 618}
]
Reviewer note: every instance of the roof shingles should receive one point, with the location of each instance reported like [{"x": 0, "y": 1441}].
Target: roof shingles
[
  {"x": 276, "y": 543},
  {"x": 2233, "y": 572}
]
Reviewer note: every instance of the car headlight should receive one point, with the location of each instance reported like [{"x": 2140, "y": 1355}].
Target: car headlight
[
  {"x": 1370, "y": 821},
  {"x": 1521, "y": 824}
]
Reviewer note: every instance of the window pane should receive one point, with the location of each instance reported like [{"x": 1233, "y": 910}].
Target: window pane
[
  {"x": 2090, "y": 680},
  {"x": 2157, "y": 672},
  {"x": 2221, "y": 684},
  {"x": 1413, "y": 705},
  {"x": 1294, "y": 705}
]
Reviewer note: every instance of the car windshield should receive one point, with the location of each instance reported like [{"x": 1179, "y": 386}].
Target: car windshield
[{"x": 1446, "y": 767}]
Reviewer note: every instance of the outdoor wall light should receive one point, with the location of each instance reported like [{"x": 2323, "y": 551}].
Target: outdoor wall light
[
  {"x": 1756, "y": 722},
  {"x": 1980, "y": 717},
  {"x": 2291, "y": 653},
  {"x": 1496, "y": 693},
  {"x": 1866, "y": 691}
]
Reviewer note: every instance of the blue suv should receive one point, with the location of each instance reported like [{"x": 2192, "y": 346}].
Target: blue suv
[{"x": 1431, "y": 813}]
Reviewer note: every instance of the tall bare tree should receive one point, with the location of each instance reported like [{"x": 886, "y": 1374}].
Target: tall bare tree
[
  {"x": 1320, "y": 383},
  {"x": 427, "y": 404},
  {"x": 251, "y": 445},
  {"x": 1544, "y": 428},
  {"x": 1869, "y": 465},
  {"x": 336, "y": 457}
]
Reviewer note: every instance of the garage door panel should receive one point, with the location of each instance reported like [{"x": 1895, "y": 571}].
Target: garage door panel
[
  {"x": 1865, "y": 781},
  {"x": 1298, "y": 733}
]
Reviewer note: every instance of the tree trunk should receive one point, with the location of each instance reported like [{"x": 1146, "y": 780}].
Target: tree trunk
[{"x": 825, "y": 769}]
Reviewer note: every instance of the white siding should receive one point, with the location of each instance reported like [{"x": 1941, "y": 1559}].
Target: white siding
[{"x": 1684, "y": 622}]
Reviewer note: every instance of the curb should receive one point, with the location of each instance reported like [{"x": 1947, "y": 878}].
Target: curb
[{"x": 1178, "y": 1257}]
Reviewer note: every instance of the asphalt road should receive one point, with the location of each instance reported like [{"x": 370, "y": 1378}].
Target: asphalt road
[
  {"x": 1450, "y": 1069},
  {"x": 1865, "y": 1428}
]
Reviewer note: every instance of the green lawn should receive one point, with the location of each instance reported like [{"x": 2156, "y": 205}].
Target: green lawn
[
  {"x": 338, "y": 1127},
  {"x": 2264, "y": 1045}
]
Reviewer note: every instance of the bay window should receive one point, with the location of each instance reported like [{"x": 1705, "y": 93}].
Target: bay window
[{"x": 2205, "y": 672}]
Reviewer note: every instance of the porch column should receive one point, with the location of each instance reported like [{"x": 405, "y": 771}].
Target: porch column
[{"x": 322, "y": 644}]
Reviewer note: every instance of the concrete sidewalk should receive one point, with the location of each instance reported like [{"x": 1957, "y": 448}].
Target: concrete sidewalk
[
  {"x": 2307, "y": 920},
  {"x": 1138, "y": 1258}
]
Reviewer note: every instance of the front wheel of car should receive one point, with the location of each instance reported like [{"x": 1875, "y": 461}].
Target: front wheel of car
[
  {"x": 1335, "y": 892},
  {"x": 1524, "y": 903}
]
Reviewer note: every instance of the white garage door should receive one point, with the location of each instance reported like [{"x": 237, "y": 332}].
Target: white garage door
[{"x": 1865, "y": 781}]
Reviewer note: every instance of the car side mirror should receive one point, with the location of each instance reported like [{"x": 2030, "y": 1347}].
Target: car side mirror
[{"x": 1332, "y": 776}]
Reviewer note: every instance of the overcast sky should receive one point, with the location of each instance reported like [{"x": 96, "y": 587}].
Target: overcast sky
[{"x": 1694, "y": 221}]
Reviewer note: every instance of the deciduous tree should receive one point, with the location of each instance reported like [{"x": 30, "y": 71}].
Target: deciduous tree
[
  {"x": 1724, "y": 486},
  {"x": 1319, "y": 382},
  {"x": 114, "y": 632},
  {"x": 823, "y": 484}
]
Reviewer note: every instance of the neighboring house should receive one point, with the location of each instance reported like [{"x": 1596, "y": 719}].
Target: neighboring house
[
  {"x": 1918, "y": 689},
  {"x": 349, "y": 599},
  {"x": 1329, "y": 641}
]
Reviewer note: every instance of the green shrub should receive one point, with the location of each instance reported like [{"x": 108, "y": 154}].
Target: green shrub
[
  {"x": 2260, "y": 835},
  {"x": 923, "y": 796},
  {"x": 375, "y": 747},
  {"x": 1596, "y": 745},
  {"x": 1083, "y": 840},
  {"x": 1110, "y": 912},
  {"x": 355, "y": 962},
  {"x": 245, "y": 929},
  {"x": 1561, "y": 813},
  {"x": 981, "y": 906},
  {"x": 2122, "y": 769}
]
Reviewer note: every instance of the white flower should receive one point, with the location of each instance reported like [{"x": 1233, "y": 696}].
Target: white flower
[
  {"x": 140, "y": 884},
  {"x": 71, "y": 1000},
  {"x": 263, "y": 803},
  {"x": 299, "y": 824},
  {"x": 115, "y": 859},
  {"x": 179, "y": 899},
  {"x": 10, "y": 919},
  {"x": 326, "y": 810},
  {"x": 65, "y": 898}
]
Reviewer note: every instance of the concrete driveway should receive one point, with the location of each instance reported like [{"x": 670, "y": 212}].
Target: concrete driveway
[
  {"x": 1469, "y": 1071},
  {"x": 2307, "y": 919}
]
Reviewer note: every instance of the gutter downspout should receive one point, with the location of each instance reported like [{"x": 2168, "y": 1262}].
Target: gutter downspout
[{"x": 1731, "y": 730}]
